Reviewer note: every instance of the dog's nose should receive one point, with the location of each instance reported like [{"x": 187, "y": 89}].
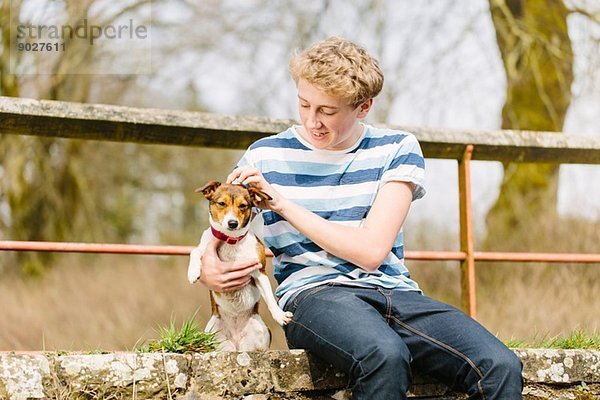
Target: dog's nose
[{"x": 232, "y": 224}]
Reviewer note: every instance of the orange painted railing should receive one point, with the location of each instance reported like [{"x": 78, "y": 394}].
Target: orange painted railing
[
  {"x": 143, "y": 249},
  {"x": 123, "y": 124}
]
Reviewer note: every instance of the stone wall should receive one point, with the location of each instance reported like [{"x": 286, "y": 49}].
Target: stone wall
[{"x": 549, "y": 374}]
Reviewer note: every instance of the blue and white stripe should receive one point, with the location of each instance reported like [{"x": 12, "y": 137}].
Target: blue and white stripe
[{"x": 340, "y": 187}]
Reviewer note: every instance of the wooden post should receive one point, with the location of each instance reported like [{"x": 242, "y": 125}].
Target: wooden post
[{"x": 468, "y": 290}]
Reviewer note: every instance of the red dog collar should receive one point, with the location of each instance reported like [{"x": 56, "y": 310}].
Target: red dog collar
[{"x": 225, "y": 238}]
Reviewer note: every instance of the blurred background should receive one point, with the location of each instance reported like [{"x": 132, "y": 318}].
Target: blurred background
[{"x": 463, "y": 64}]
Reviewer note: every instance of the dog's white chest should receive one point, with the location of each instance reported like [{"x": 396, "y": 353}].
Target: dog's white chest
[
  {"x": 239, "y": 301},
  {"x": 245, "y": 249}
]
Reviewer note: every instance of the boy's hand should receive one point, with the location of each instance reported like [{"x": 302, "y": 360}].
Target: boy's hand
[
  {"x": 225, "y": 276},
  {"x": 249, "y": 175}
]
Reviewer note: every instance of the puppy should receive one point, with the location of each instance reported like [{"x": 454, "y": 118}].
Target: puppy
[{"x": 235, "y": 320}]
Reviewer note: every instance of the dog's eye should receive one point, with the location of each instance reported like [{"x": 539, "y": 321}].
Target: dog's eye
[
  {"x": 243, "y": 206},
  {"x": 221, "y": 203}
]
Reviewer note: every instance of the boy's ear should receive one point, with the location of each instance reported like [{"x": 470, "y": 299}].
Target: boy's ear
[
  {"x": 258, "y": 196},
  {"x": 364, "y": 108},
  {"x": 208, "y": 189}
]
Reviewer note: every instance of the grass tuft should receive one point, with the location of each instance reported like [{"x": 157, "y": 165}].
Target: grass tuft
[
  {"x": 577, "y": 339},
  {"x": 190, "y": 338}
]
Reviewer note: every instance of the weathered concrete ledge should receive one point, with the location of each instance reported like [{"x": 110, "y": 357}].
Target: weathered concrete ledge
[
  {"x": 144, "y": 125},
  {"x": 549, "y": 374}
]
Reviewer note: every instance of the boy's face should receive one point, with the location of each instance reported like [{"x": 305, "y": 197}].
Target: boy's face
[{"x": 328, "y": 122}]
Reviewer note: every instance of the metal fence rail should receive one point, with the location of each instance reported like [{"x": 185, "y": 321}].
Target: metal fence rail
[
  {"x": 162, "y": 250},
  {"x": 125, "y": 124}
]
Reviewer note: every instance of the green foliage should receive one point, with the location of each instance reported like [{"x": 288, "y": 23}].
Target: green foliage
[
  {"x": 577, "y": 339},
  {"x": 188, "y": 339}
]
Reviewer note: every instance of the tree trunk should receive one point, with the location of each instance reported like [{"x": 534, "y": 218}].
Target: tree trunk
[
  {"x": 536, "y": 51},
  {"x": 9, "y": 85}
]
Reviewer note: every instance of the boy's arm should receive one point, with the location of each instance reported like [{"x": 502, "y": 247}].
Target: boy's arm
[{"x": 366, "y": 246}]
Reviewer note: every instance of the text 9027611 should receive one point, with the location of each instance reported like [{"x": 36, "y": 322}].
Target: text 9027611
[{"x": 41, "y": 46}]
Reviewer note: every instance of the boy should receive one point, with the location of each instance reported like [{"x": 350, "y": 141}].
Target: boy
[{"x": 340, "y": 192}]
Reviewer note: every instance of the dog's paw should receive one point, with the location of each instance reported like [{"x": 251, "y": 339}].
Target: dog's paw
[
  {"x": 193, "y": 273},
  {"x": 283, "y": 317},
  {"x": 193, "y": 278}
]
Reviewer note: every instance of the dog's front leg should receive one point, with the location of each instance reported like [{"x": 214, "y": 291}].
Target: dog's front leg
[
  {"x": 195, "y": 265},
  {"x": 264, "y": 286}
]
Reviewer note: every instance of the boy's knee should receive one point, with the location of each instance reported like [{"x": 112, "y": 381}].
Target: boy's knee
[
  {"x": 509, "y": 363},
  {"x": 384, "y": 356},
  {"x": 501, "y": 378},
  {"x": 507, "y": 370},
  {"x": 383, "y": 370}
]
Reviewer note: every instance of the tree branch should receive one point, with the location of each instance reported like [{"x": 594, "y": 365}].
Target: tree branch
[{"x": 593, "y": 16}]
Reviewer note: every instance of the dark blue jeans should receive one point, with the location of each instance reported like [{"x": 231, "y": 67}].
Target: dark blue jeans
[{"x": 379, "y": 336}]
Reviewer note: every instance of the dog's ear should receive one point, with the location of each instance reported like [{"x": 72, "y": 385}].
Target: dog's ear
[
  {"x": 258, "y": 196},
  {"x": 208, "y": 189}
]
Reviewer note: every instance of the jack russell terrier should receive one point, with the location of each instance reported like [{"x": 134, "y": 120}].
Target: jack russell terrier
[{"x": 235, "y": 320}]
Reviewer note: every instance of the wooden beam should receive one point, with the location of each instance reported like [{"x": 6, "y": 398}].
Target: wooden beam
[
  {"x": 143, "y": 125},
  {"x": 128, "y": 124}
]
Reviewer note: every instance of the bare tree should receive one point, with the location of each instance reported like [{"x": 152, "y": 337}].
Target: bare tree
[
  {"x": 46, "y": 183},
  {"x": 50, "y": 188}
]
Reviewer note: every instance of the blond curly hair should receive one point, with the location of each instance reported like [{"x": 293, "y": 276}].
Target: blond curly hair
[{"x": 340, "y": 68}]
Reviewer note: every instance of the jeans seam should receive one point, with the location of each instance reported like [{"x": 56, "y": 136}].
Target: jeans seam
[
  {"x": 388, "y": 306},
  {"x": 448, "y": 348}
]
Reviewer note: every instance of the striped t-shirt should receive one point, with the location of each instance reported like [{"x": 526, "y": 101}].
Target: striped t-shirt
[{"x": 339, "y": 186}]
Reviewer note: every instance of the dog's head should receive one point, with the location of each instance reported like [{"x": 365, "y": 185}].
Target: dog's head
[{"x": 231, "y": 205}]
